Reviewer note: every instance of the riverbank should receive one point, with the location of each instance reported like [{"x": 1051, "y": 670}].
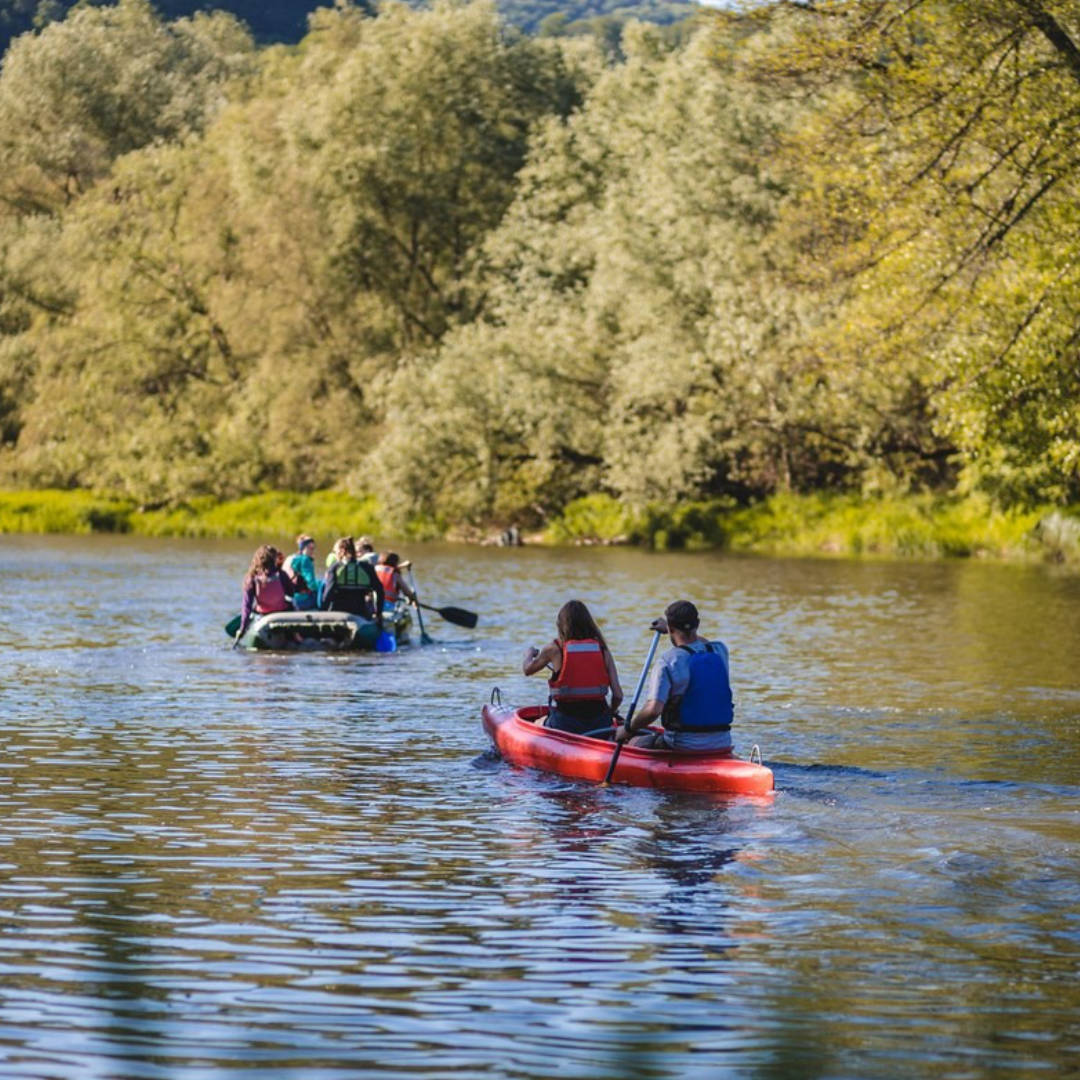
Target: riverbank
[
  {"x": 914, "y": 526},
  {"x": 273, "y": 514},
  {"x": 911, "y": 526}
]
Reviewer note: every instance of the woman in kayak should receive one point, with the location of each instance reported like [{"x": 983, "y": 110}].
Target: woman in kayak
[
  {"x": 267, "y": 588},
  {"x": 582, "y": 672}
]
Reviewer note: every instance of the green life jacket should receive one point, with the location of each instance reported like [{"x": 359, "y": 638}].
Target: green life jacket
[
  {"x": 354, "y": 575},
  {"x": 354, "y": 589}
]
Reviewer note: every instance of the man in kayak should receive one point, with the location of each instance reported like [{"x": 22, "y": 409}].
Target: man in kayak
[{"x": 690, "y": 690}]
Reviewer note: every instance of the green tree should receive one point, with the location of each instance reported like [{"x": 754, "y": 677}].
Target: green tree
[
  {"x": 942, "y": 211},
  {"x": 638, "y": 335},
  {"x": 81, "y": 92},
  {"x": 413, "y": 152},
  {"x": 238, "y": 300}
]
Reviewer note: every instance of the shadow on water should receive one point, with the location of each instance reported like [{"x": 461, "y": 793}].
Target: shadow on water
[
  {"x": 805, "y": 781},
  {"x": 846, "y": 784},
  {"x": 134, "y": 1011}
]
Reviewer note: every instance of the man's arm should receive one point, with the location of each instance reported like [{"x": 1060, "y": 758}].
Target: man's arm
[
  {"x": 650, "y": 711},
  {"x": 659, "y": 690},
  {"x": 405, "y": 588}
]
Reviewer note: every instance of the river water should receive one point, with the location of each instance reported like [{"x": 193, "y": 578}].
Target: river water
[{"x": 217, "y": 864}]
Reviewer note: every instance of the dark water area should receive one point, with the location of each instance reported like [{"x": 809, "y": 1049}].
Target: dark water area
[{"x": 216, "y": 864}]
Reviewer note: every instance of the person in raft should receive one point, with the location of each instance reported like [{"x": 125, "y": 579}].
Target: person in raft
[
  {"x": 351, "y": 585},
  {"x": 388, "y": 571},
  {"x": 690, "y": 690},
  {"x": 267, "y": 588},
  {"x": 365, "y": 551},
  {"x": 582, "y": 672},
  {"x": 301, "y": 569}
]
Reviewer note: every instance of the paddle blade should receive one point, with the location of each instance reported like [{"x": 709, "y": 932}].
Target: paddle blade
[
  {"x": 386, "y": 642},
  {"x": 232, "y": 626},
  {"x": 459, "y": 616}
]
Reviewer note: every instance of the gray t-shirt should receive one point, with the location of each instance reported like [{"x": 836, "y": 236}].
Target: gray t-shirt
[{"x": 670, "y": 678}]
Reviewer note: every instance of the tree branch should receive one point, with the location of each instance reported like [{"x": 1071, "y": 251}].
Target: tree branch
[{"x": 1054, "y": 32}]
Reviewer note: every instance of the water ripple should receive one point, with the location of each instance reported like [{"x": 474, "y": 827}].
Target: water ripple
[{"x": 311, "y": 866}]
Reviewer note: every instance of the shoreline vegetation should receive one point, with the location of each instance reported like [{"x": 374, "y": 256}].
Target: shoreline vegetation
[{"x": 900, "y": 526}]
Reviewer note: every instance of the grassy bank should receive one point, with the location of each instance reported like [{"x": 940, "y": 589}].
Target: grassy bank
[
  {"x": 325, "y": 514},
  {"x": 917, "y": 526}
]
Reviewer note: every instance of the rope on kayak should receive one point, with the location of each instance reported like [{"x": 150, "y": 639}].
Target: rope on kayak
[
  {"x": 755, "y": 749},
  {"x": 496, "y": 696}
]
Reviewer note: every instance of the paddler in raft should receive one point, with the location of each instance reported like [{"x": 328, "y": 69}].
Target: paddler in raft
[
  {"x": 301, "y": 570},
  {"x": 582, "y": 672},
  {"x": 351, "y": 585},
  {"x": 267, "y": 588},
  {"x": 388, "y": 571},
  {"x": 365, "y": 551},
  {"x": 690, "y": 690}
]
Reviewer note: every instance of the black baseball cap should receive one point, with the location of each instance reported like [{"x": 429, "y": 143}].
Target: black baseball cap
[{"x": 682, "y": 615}]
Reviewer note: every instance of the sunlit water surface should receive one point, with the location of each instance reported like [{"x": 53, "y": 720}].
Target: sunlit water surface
[{"x": 215, "y": 863}]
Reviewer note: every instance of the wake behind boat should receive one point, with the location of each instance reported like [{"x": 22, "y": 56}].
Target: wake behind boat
[{"x": 520, "y": 738}]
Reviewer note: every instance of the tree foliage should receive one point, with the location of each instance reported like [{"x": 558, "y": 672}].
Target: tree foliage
[
  {"x": 104, "y": 82},
  {"x": 810, "y": 246},
  {"x": 946, "y": 215}
]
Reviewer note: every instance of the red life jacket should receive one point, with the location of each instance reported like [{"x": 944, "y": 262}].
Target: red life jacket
[
  {"x": 270, "y": 595},
  {"x": 388, "y": 576},
  {"x": 583, "y": 675}
]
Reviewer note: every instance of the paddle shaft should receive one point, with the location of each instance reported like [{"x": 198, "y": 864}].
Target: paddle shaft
[
  {"x": 634, "y": 703},
  {"x": 424, "y": 639}
]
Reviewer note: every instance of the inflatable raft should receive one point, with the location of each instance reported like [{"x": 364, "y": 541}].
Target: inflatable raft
[
  {"x": 328, "y": 630},
  {"x": 519, "y": 738}
]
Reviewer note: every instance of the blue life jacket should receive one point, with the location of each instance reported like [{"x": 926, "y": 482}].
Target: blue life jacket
[{"x": 707, "y": 704}]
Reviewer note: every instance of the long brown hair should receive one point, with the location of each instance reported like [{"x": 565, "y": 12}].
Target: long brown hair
[
  {"x": 263, "y": 563},
  {"x": 575, "y": 623},
  {"x": 345, "y": 549}
]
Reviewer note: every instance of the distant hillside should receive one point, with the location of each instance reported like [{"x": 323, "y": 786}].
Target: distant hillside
[
  {"x": 286, "y": 20},
  {"x": 269, "y": 20}
]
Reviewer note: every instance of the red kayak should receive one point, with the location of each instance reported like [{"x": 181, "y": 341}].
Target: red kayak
[{"x": 520, "y": 739}]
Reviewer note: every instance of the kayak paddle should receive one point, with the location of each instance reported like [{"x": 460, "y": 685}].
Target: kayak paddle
[
  {"x": 232, "y": 626},
  {"x": 457, "y": 616},
  {"x": 633, "y": 704}
]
